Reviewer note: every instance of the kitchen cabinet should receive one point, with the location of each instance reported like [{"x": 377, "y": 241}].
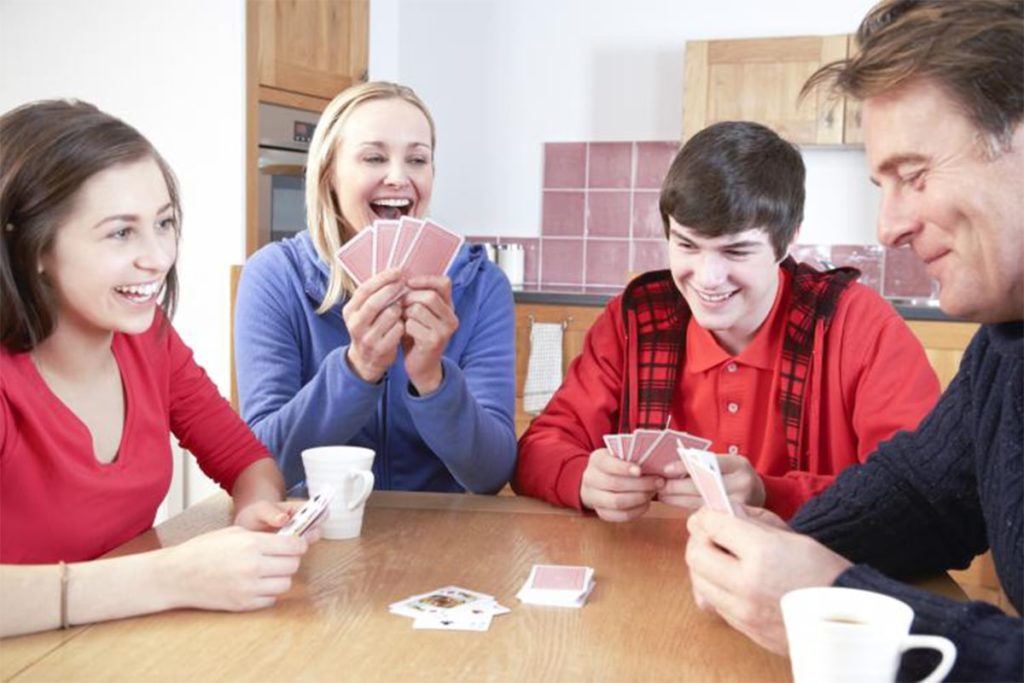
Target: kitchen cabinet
[
  {"x": 944, "y": 342},
  {"x": 307, "y": 51},
  {"x": 760, "y": 80},
  {"x": 576, "y": 320}
]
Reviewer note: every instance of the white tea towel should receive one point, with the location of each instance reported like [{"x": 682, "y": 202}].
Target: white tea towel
[{"x": 544, "y": 371}]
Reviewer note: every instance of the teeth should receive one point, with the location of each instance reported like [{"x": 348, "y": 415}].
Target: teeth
[
  {"x": 714, "y": 298},
  {"x": 140, "y": 291},
  {"x": 397, "y": 203}
]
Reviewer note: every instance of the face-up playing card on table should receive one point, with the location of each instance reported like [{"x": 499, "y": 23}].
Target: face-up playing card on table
[
  {"x": 357, "y": 255},
  {"x": 454, "y": 621},
  {"x": 702, "y": 467},
  {"x": 432, "y": 252},
  {"x": 439, "y": 601}
]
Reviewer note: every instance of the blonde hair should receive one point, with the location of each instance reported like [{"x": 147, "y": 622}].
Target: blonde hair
[{"x": 328, "y": 228}]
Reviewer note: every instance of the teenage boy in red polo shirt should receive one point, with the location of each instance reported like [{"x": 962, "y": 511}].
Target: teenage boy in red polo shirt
[{"x": 794, "y": 374}]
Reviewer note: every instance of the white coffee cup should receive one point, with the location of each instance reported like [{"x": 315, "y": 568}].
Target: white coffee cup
[
  {"x": 348, "y": 470},
  {"x": 844, "y": 635}
]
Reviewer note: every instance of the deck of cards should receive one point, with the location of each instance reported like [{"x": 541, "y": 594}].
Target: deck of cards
[
  {"x": 450, "y": 609},
  {"x": 557, "y": 585},
  {"x": 417, "y": 247},
  {"x": 652, "y": 449},
  {"x": 703, "y": 468}
]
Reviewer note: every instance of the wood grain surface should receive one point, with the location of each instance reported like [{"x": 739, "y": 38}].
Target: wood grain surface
[{"x": 640, "y": 623}]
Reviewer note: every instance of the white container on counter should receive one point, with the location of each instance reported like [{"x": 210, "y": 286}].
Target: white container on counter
[
  {"x": 512, "y": 261},
  {"x": 490, "y": 250}
]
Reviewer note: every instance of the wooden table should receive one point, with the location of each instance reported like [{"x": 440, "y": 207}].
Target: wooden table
[{"x": 640, "y": 623}]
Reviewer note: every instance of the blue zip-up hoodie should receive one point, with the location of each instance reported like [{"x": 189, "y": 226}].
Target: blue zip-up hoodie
[{"x": 297, "y": 389}]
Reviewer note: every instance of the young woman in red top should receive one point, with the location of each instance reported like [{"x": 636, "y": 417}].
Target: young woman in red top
[{"x": 94, "y": 380}]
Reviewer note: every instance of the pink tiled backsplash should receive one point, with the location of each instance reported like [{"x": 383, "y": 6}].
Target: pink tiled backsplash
[{"x": 601, "y": 225}]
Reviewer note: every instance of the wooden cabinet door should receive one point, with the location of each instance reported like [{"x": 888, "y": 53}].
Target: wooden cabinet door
[
  {"x": 852, "y": 133},
  {"x": 576, "y": 320},
  {"x": 310, "y": 48},
  {"x": 944, "y": 343},
  {"x": 760, "y": 80}
]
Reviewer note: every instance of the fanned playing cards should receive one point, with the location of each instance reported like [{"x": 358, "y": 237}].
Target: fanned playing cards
[
  {"x": 417, "y": 247},
  {"x": 652, "y": 449}
]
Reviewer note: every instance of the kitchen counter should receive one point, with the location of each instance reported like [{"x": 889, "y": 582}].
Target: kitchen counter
[{"x": 599, "y": 296}]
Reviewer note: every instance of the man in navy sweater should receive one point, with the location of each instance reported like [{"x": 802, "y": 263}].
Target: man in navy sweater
[{"x": 942, "y": 85}]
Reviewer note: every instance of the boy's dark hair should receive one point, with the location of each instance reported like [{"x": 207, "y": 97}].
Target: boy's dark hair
[
  {"x": 48, "y": 150},
  {"x": 734, "y": 176}
]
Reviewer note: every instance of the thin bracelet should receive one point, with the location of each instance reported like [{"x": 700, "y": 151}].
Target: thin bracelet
[{"x": 64, "y": 596}]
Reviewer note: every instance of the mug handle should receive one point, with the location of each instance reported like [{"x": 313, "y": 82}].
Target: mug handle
[
  {"x": 366, "y": 477},
  {"x": 945, "y": 647}
]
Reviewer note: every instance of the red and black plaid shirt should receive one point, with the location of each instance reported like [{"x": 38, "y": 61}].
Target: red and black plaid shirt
[{"x": 656, "y": 316}]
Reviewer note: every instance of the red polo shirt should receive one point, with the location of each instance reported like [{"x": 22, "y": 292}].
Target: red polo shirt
[{"x": 729, "y": 399}]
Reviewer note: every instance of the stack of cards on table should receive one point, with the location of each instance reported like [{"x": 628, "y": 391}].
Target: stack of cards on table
[
  {"x": 707, "y": 477},
  {"x": 652, "y": 449},
  {"x": 450, "y": 609},
  {"x": 417, "y": 247},
  {"x": 557, "y": 585}
]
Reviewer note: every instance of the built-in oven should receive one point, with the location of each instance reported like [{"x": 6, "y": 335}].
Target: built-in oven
[{"x": 284, "y": 134}]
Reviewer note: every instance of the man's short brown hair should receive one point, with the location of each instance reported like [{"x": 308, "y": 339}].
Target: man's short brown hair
[{"x": 973, "y": 49}]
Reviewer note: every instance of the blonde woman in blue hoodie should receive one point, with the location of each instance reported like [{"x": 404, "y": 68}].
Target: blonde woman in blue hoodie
[{"x": 427, "y": 380}]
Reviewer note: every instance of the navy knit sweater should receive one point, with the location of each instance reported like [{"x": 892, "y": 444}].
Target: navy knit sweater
[{"x": 931, "y": 500}]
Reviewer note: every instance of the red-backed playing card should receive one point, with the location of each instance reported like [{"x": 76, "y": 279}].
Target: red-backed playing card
[
  {"x": 559, "y": 577},
  {"x": 386, "y": 233},
  {"x": 356, "y": 255},
  {"x": 408, "y": 229},
  {"x": 643, "y": 439},
  {"x": 433, "y": 251},
  {"x": 703, "y": 468},
  {"x": 660, "y": 454}
]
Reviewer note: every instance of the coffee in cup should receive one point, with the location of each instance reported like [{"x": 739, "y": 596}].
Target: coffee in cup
[{"x": 840, "y": 635}]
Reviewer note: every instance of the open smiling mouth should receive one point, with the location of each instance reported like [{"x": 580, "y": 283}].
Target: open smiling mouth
[
  {"x": 715, "y": 298},
  {"x": 391, "y": 209},
  {"x": 140, "y": 294}
]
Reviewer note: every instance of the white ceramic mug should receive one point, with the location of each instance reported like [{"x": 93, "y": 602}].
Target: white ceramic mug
[
  {"x": 348, "y": 469},
  {"x": 846, "y": 635}
]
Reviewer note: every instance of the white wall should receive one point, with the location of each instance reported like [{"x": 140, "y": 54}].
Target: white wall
[
  {"x": 174, "y": 69},
  {"x": 504, "y": 76}
]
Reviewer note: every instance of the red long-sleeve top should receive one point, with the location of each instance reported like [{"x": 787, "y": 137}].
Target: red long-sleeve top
[{"x": 57, "y": 501}]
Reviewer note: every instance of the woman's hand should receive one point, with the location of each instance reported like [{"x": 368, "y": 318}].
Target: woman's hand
[
  {"x": 232, "y": 569},
  {"x": 430, "y": 322},
  {"x": 264, "y": 515},
  {"x": 374, "y": 321}
]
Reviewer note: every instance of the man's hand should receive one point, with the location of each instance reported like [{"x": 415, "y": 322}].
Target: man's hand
[
  {"x": 742, "y": 484},
  {"x": 740, "y": 568}
]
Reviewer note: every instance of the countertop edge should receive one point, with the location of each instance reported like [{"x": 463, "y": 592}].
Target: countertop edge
[{"x": 600, "y": 299}]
